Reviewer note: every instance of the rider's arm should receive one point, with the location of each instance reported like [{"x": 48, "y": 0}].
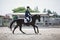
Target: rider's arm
[{"x": 29, "y": 14}]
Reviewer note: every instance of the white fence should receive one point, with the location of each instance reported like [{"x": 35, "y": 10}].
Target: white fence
[{"x": 49, "y": 21}]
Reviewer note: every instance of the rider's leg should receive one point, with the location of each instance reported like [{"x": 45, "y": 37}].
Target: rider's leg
[{"x": 27, "y": 18}]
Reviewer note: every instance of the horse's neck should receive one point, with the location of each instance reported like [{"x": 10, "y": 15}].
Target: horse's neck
[{"x": 33, "y": 20}]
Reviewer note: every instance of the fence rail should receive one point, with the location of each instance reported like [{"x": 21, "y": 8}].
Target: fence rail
[{"x": 51, "y": 21}]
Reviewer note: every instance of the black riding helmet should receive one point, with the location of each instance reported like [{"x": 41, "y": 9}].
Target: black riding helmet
[{"x": 28, "y": 7}]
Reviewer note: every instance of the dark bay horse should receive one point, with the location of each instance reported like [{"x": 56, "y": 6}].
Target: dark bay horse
[{"x": 19, "y": 23}]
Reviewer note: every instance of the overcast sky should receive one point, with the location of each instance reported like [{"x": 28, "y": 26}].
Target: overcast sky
[{"x": 6, "y": 6}]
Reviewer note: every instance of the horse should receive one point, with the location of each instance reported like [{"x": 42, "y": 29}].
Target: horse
[{"x": 19, "y": 23}]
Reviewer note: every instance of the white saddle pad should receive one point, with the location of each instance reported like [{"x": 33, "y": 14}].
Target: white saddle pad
[{"x": 25, "y": 20}]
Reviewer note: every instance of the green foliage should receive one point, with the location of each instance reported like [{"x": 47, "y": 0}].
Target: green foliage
[
  {"x": 49, "y": 11},
  {"x": 44, "y": 11},
  {"x": 22, "y": 10},
  {"x": 15, "y": 17},
  {"x": 19, "y": 10}
]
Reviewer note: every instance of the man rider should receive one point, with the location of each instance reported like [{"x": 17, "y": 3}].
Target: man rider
[{"x": 27, "y": 14}]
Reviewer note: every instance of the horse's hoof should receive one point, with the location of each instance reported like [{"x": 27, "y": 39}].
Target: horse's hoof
[
  {"x": 13, "y": 32},
  {"x": 36, "y": 33},
  {"x": 24, "y": 33}
]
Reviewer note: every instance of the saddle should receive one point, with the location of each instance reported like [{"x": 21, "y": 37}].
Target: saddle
[{"x": 25, "y": 19}]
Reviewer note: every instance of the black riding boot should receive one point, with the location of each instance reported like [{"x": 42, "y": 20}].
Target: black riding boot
[{"x": 28, "y": 21}]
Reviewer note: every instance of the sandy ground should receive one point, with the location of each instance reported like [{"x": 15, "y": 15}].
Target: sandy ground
[{"x": 44, "y": 34}]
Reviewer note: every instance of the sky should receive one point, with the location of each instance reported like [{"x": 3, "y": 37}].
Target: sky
[{"x": 6, "y": 6}]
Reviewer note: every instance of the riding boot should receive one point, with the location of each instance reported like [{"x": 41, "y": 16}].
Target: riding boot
[{"x": 27, "y": 21}]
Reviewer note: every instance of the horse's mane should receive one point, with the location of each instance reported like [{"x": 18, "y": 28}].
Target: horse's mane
[{"x": 35, "y": 15}]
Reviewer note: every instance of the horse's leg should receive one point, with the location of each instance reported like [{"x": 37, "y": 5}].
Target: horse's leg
[
  {"x": 34, "y": 29},
  {"x": 20, "y": 28},
  {"x": 11, "y": 27},
  {"x": 11, "y": 24},
  {"x": 37, "y": 29},
  {"x": 14, "y": 28}
]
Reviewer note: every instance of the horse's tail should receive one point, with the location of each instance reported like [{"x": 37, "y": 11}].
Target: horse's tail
[{"x": 12, "y": 24}]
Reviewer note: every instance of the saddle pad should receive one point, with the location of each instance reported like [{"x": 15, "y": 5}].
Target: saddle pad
[{"x": 26, "y": 20}]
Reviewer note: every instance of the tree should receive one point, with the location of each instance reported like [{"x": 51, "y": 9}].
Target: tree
[
  {"x": 22, "y": 10},
  {"x": 49, "y": 12},
  {"x": 36, "y": 9},
  {"x": 55, "y": 14},
  {"x": 44, "y": 11},
  {"x": 19, "y": 10}
]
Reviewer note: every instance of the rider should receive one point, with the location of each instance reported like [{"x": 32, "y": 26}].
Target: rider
[{"x": 27, "y": 14}]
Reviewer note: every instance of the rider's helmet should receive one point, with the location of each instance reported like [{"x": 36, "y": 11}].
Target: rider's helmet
[{"x": 28, "y": 7}]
